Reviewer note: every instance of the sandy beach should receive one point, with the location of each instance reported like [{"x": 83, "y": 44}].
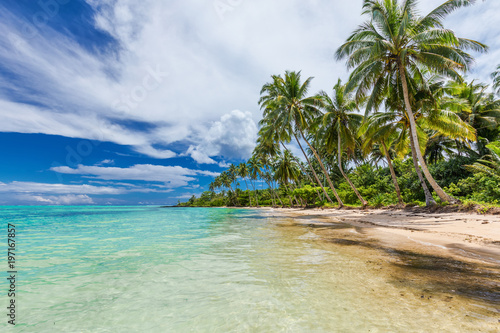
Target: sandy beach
[
  {"x": 450, "y": 260},
  {"x": 463, "y": 235}
]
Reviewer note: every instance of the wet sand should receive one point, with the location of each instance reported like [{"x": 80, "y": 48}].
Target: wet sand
[
  {"x": 449, "y": 258},
  {"x": 463, "y": 235}
]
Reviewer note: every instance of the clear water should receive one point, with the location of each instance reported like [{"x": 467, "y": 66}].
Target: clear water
[{"x": 147, "y": 269}]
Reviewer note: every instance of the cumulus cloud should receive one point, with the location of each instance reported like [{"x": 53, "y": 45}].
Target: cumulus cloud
[
  {"x": 181, "y": 66},
  {"x": 171, "y": 176},
  {"x": 32, "y": 187},
  {"x": 84, "y": 189},
  {"x": 233, "y": 136}
]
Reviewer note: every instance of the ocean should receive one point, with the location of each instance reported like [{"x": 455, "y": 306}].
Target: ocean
[{"x": 151, "y": 269}]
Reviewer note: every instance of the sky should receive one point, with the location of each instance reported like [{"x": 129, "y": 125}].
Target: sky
[{"x": 122, "y": 102}]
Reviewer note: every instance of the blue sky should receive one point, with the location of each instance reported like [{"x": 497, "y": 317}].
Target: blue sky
[{"x": 144, "y": 102}]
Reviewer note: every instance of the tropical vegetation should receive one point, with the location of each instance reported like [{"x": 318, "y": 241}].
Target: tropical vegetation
[{"x": 408, "y": 126}]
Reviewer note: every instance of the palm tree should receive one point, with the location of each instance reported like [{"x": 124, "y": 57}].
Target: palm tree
[
  {"x": 268, "y": 134},
  {"x": 254, "y": 172},
  {"x": 286, "y": 171},
  {"x": 375, "y": 131},
  {"x": 341, "y": 119},
  {"x": 288, "y": 108},
  {"x": 431, "y": 118},
  {"x": 243, "y": 173},
  {"x": 489, "y": 164},
  {"x": 226, "y": 179},
  {"x": 475, "y": 106},
  {"x": 267, "y": 151},
  {"x": 396, "y": 42}
]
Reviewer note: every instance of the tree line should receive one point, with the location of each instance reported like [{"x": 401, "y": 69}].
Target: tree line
[{"x": 407, "y": 126}]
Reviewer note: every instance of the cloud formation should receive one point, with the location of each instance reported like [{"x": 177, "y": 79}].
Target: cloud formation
[
  {"x": 171, "y": 176},
  {"x": 183, "y": 67},
  {"x": 69, "y": 199},
  {"x": 233, "y": 135}
]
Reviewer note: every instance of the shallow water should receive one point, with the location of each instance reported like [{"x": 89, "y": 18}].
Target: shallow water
[{"x": 146, "y": 269}]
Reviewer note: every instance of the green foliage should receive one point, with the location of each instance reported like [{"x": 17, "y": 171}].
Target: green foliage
[
  {"x": 307, "y": 193},
  {"x": 375, "y": 185},
  {"x": 478, "y": 187},
  {"x": 451, "y": 171}
]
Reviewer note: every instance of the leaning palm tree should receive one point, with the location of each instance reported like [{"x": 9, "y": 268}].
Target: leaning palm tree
[
  {"x": 431, "y": 118},
  {"x": 341, "y": 119},
  {"x": 266, "y": 151},
  {"x": 286, "y": 171},
  {"x": 292, "y": 112},
  {"x": 394, "y": 125},
  {"x": 397, "y": 42},
  {"x": 378, "y": 131},
  {"x": 269, "y": 135}
]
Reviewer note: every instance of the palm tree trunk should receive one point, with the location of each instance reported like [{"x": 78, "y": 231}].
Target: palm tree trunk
[
  {"x": 429, "y": 200},
  {"x": 393, "y": 174},
  {"x": 255, "y": 192},
  {"x": 339, "y": 160},
  {"x": 314, "y": 172},
  {"x": 302, "y": 168},
  {"x": 297, "y": 201},
  {"x": 341, "y": 204},
  {"x": 413, "y": 133},
  {"x": 273, "y": 201},
  {"x": 278, "y": 195},
  {"x": 249, "y": 196},
  {"x": 290, "y": 197},
  {"x": 287, "y": 189},
  {"x": 273, "y": 193}
]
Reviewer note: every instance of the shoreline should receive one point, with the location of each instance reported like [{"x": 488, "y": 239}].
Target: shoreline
[
  {"x": 461, "y": 235},
  {"x": 449, "y": 258}
]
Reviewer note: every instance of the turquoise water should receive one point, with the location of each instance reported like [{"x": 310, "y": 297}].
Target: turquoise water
[{"x": 147, "y": 269}]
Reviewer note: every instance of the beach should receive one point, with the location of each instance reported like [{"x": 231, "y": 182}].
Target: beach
[
  {"x": 468, "y": 236},
  {"x": 131, "y": 268},
  {"x": 442, "y": 258}
]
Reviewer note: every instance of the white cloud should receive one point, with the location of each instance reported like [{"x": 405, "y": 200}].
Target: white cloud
[
  {"x": 180, "y": 68},
  {"x": 106, "y": 161},
  {"x": 234, "y": 136},
  {"x": 84, "y": 189},
  {"x": 32, "y": 187},
  {"x": 69, "y": 199},
  {"x": 171, "y": 176}
]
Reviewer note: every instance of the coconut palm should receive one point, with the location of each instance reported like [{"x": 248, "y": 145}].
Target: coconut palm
[
  {"x": 268, "y": 133},
  {"x": 397, "y": 42},
  {"x": 432, "y": 121},
  {"x": 226, "y": 181},
  {"x": 475, "y": 106},
  {"x": 243, "y": 173},
  {"x": 291, "y": 111},
  {"x": 232, "y": 173},
  {"x": 286, "y": 170},
  {"x": 384, "y": 132},
  {"x": 267, "y": 151},
  {"x": 254, "y": 172},
  {"x": 341, "y": 119}
]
